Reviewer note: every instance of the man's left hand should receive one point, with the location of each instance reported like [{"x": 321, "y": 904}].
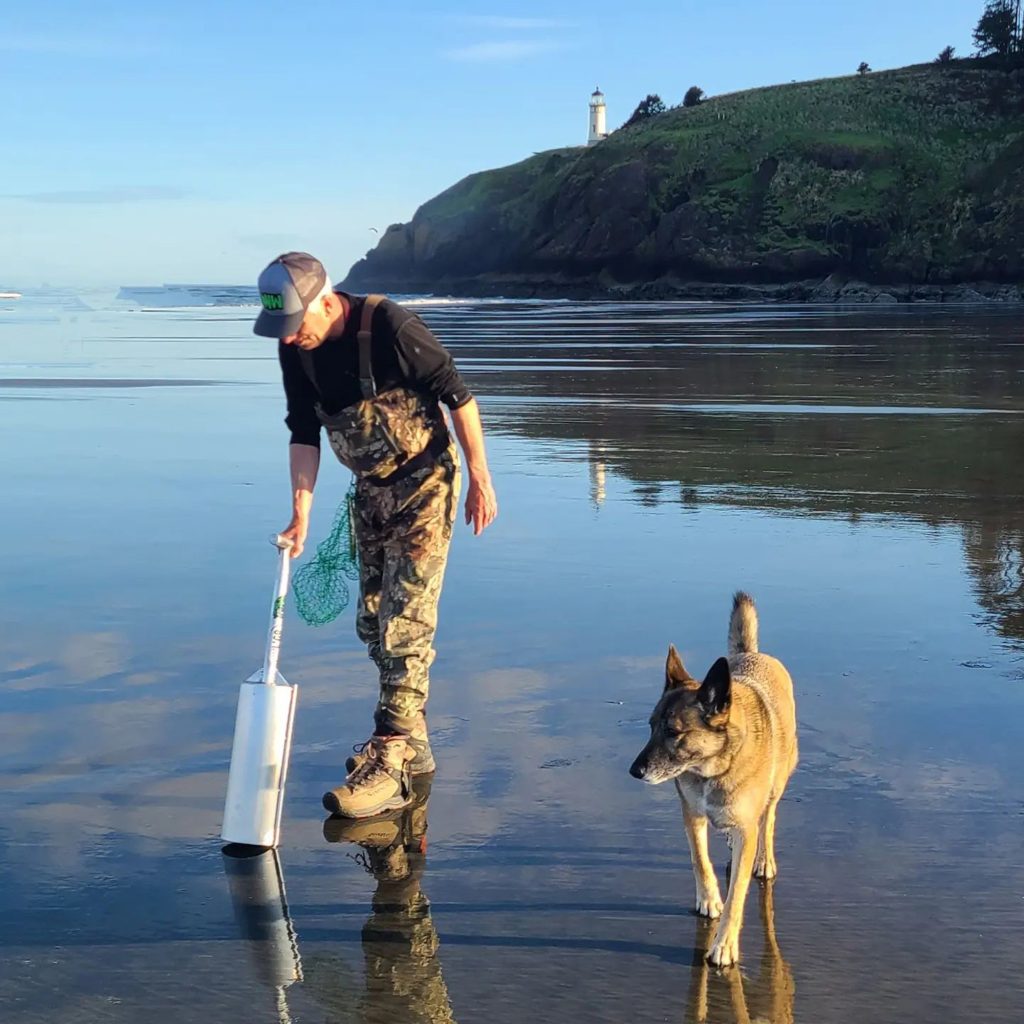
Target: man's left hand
[{"x": 481, "y": 504}]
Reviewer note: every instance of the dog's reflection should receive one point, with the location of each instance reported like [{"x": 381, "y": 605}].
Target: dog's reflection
[
  {"x": 403, "y": 983},
  {"x": 726, "y": 995}
]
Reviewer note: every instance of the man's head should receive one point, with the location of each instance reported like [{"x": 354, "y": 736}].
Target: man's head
[{"x": 299, "y": 306}]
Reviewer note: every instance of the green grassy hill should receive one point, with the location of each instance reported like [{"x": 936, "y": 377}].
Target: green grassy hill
[{"x": 904, "y": 179}]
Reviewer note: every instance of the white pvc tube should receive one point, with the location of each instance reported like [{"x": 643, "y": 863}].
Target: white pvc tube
[
  {"x": 259, "y": 764},
  {"x": 263, "y": 735}
]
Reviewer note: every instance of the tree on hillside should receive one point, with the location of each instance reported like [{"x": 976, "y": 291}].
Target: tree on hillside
[
  {"x": 863, "y": 68},
  {"x": 945, "y": 56},
  {"x": 694, "y": 96},
  {"x": 999, "y": 31},
  {"x": 647, "y": 107}
]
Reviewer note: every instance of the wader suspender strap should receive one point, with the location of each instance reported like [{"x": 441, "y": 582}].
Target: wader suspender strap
[{"x": 366, "y": 382}]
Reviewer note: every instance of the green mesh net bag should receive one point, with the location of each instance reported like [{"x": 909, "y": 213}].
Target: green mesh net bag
[{"x": 320, "y": 587}]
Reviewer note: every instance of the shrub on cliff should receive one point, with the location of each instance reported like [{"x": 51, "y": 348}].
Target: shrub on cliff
[{"x": 648, "y": 107}]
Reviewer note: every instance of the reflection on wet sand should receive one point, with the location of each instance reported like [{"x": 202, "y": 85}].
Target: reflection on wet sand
[
  {"x": 961, "y": 470},
  {"x": 994, "y": 550},
  {"x": 258, "y": 898},
  {"x": 403, "y": 983},
  {"x": 598, "y": 476},
  {"x": 650, "y": 456},
  {"x": 915, "y": 416},
  {"x": 403, "y": 979},
  {"x": 728, "y": 996}
]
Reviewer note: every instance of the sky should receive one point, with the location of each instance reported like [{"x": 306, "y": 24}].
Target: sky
[{"x": 192, "y": 142}]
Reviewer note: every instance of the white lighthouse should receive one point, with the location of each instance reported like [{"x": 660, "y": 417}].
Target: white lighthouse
[{"x": 598, "y": 130}]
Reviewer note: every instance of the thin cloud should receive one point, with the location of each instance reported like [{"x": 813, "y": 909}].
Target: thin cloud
[
  {"x": 513, "y": 24},
  {"x": 72, "y": 46},
  {"x": 505, "y": 50},
  {"x": 116, "y": 194}
]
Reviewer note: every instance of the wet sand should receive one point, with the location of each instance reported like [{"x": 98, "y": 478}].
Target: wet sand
[{"x": 858, "y": 471}]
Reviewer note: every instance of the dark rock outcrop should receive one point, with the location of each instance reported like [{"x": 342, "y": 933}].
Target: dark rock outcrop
[{"x": 899, "y": 186}]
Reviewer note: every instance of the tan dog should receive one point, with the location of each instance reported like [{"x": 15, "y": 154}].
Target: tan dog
[{"x": 730, "y": 744}]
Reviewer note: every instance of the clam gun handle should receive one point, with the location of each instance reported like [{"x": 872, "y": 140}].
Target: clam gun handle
[{"x": 270, "y": 658}]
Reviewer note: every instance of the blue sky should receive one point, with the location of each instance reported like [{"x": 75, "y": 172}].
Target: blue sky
[{"x": 191, "y": 142}]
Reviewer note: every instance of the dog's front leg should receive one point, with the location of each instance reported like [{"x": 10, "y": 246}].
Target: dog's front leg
[
  {"x": 764, "y": 863},
  {"x": 709, "y": 899},
  {"x": 726, "y": 947}
]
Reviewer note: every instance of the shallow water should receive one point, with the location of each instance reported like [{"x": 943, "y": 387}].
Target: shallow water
[{"x": 859, "y": 472}]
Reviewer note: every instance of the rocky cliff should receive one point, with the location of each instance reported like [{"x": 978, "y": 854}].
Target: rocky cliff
[{"x": 892, "y": 185}]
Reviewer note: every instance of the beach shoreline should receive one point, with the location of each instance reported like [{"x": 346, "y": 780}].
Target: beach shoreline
[{"x": 833, "y": 290}]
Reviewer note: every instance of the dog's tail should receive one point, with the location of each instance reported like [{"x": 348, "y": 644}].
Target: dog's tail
[{"x": 743, "y": 625}]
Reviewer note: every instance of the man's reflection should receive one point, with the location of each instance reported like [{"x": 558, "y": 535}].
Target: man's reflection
[
  {"x": 403, "y": 980},
  {"x": 726, "y": 995}
]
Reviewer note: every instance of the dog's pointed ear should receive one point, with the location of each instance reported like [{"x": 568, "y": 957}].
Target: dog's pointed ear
[
  {"x": 676, "y": 676},
  {"x": 715, "y": 694}
]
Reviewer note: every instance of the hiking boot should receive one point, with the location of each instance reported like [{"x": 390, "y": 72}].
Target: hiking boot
[
  {"x": 394, "y": 843},
  {"x": 421, "y": 764},
  {"x": 381, "y": 782}
]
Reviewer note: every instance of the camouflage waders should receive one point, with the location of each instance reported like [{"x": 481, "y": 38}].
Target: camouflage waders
[
  {"x": 407, "y": 489},
  {"x": 403, "y": 532}
]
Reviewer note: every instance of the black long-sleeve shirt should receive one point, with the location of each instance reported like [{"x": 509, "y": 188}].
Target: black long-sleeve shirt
[{"x": 404, "y": 353}]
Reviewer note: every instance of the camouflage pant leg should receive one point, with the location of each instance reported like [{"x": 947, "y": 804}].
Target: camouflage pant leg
[
  {"x": 406, "y": 530},
  {"x": 370, "y": 547}
]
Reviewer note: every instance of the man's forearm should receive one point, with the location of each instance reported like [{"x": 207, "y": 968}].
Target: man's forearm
[
  {"x": 304, "y": 463},
  {"x": 470, "y": 433},
  {"x": 481, "y": 504}
]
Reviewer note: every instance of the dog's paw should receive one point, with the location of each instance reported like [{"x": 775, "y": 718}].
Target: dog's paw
[
  {"x": 709, "y": 905},
  {"x": 765, "y": 867},
  {"x": 725, "y": 950}
]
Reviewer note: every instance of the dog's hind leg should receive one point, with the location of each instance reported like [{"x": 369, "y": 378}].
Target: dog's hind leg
[
  {"x": 709, "y": 899},
  {"x": 764, "y": 862},
  {"x": 726, "y": 947}
]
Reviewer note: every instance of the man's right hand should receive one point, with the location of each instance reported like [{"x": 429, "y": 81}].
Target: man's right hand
[
  {"x": 303, "y": 462},
  {"x": 296, "y": 533}
]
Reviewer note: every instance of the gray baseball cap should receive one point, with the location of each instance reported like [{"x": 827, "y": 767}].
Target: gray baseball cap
[{"x": 287, "y": 286}]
